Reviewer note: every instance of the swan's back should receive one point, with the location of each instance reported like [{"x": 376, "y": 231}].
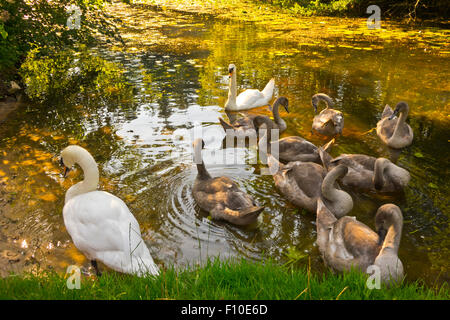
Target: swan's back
[
  {"x": 253, "y": 98},
  {"x": 104, "y": 229},
  {"x": 329, "y": 122},
  {"x": 387, "y": 127}
]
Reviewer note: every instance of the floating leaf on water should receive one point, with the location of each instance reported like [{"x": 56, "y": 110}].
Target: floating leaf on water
[
  {"x": 418, "y": 155},
  {"x": 48, "y": 197}
]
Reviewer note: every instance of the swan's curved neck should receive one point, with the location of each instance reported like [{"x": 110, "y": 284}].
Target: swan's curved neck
[
  {"x": 198, "y": 160},
  {"x": 91, "y": 175},
  {"x": 276, "y": 116},
  {"x": 392, "y": 240},
  {"x": 400, "y": 125},
  {"x": 325, "y": 98},
  {"x": 378, "y": 175},
  {"x": 329, "y": 190},
  {"x": 232, "y": 91}
]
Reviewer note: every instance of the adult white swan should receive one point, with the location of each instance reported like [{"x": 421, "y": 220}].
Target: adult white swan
[
  {"x": 248, "y": 99},
  {"x": 100, "y": 224}
]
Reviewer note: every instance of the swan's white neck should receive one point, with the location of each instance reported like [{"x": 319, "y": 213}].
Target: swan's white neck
[
  {"x": 90, "y": 170},
  {"x": 232, "y": 93}
]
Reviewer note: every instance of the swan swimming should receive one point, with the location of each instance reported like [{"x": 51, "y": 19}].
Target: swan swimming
[{"x": 248, "y": 99}]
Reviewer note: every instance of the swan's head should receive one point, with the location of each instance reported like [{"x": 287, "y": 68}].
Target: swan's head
[
  {"x": 283, "y": 101},
  {"x": 320, "y": 96},
  {"x": 231, "y": 69},
  {"x": 198, "y": 145},
  {"x": 386, "y": 216},
  {"x": 401, "y": 107},
  {"x": 341, "y": 170},
  {"x": 68, "y": 158},
  {"x": 74, "y": 154}
]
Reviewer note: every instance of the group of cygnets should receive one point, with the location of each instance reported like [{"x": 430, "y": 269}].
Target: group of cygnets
[{"x": 103, "y": 228}]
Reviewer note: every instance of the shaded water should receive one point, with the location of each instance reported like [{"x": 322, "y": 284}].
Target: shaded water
[{"x": 135, "y": 111}]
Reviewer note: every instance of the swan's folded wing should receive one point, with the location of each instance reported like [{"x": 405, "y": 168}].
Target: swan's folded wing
[
  {"x": 100, "y": 222},
  {"x": 387, "y": 112},
  {"x": 268, "y": 89},
  {"x": 250, "y": 98},
  {"x": 359, "y": 239}
]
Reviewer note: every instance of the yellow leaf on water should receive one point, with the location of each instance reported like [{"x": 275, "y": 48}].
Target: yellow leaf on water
[
  {"x": 2, "y": 173},
  {"x": 34, "y": 137},
  {"x": 28, "y": 162},
  {"x": 48, "y": 197}
]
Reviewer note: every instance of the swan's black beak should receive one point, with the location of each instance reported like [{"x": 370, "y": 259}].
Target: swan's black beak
[
  {"x": 230, "y": 72},
  {"x": 394, "y": 114},
  {"x": 286, "y": 108},
  {"x": 66, "y": 169},
  {"x": 315, "y": 107}
]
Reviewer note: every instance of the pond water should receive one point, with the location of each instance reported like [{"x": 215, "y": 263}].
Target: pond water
[{"x": 136, "y": 109}]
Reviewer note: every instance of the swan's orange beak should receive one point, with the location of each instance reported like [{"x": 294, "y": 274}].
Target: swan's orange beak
[{"x": 66, "y": 169}]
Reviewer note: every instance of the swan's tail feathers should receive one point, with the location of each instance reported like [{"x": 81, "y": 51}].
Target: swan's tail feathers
[
  {"x": 268, "y": 89},
  {"x": 225, "y": 125},
  {"x": 325, "y": 218},
  {"x": 253, "y": 212},
  {"x": 143, "y": 266},
  {"x": 274, "y": 164},
  {"x": 248, "y": 215},
  {"x": 387, "y": 112},
  {"x": 325, "y": 157}
]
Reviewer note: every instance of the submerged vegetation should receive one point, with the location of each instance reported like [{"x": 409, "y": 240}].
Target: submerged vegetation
[{"x": 216, "y": 280}]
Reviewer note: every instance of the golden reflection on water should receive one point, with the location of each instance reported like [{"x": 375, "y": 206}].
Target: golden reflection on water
[{"x": 173, "y": 74}]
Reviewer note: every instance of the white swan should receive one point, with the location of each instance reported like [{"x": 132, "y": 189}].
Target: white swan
[
  {"x": 100, "y": 224},
  {"x": 248, "y": 99}
]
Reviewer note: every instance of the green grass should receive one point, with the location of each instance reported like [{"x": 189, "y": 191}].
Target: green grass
[{"x": 238, "y": 279}]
